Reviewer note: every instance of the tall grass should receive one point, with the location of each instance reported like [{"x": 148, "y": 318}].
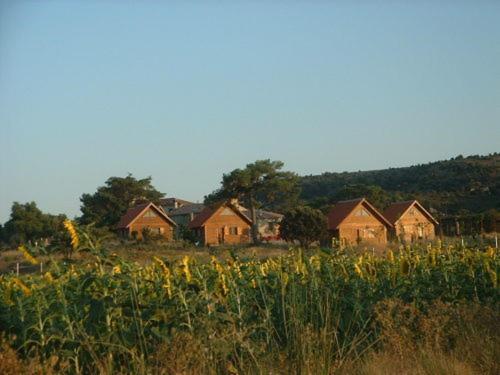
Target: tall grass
[{"x": 290, "y": 314}]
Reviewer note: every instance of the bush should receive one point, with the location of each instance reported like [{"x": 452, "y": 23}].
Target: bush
[{"x": 305, "y": 225}]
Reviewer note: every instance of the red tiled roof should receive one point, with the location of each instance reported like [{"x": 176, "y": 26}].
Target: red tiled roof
[
  {"x": 396, "y": 210},
  {"x": 134, "y": 212},
  {"x": 172, "y": 200},
  {"x": 209, "y": 211},
  {"x": 342, "y": 209}
]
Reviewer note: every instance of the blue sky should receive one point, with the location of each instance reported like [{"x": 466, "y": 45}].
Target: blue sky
[{"x": 184, "y": 91}]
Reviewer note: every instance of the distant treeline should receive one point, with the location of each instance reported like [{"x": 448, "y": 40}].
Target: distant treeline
[{"x": 463, "y": 193}]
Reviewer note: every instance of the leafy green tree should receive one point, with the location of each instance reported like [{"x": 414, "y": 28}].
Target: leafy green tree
[
  {"x": 186, "y": 234},
  {"x": 491, "y": 218},
  {"x": 28, "y": 223},
  {"x": 261, "y": 184},
  {"x": 106, "y": 206},
  {"x": 2, "y": 238},
  {"x": 305, "y": 225}
]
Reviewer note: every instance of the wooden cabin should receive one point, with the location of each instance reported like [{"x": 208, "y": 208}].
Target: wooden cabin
[
  {"x": 357, "y": 222},
  {"x": 221, "y": 224},
  {"x": 146, "y": 217},
  {"x": 411, "y": 221}
]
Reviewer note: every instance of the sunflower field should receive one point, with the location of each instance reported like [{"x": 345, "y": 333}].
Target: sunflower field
[{"x": 299, "y": 313}]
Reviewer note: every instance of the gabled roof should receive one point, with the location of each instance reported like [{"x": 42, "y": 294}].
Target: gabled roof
[
  {"x": 261, "y": 214},
  {"x": 209, "y": 211},
  {"x": 171, "y": 201},
  {"x": 194, "y": 208},
  {"x": 342, "y": 209},
  {"x": 135, "y": 212},
  {"x": 396, "y": 210}
]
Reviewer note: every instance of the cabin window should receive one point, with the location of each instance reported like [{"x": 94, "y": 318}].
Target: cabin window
[
  {"x": 420, "y": 232},
  {"x": 369, "y": 233},
  {"x": 233, "y": 231},
  {"x": 362, "y": 212},
  {"x": 149, "y": 213},
  {"x": 153, "y": 230}
]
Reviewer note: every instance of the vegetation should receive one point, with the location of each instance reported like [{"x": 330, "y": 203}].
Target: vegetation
[
  {"x": 27, "y": 223},
  {"x": 260, "y": 184},
  {"x": 304, "y": 225},
  {"x": 300, "y": 313},
  {"x": 107, "y": 205},
  {"x": 463, "y": 187},
  {"x": 463, "y": 194}
]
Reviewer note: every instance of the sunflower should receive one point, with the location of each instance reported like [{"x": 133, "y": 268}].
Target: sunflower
[
  {"x": 68, "y": 224},
  {"x": 185, "y": 268},
  {"x": 26, "y": 290},
  {"x": 27, "y": 255}
]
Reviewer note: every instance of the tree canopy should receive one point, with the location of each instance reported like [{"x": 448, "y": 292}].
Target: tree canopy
[
  {"x": 448, "y": 186},
  {"x": 106, "y": 206},
  {"x": 261, "y": 184},
  {"x": 303, "y": 224},
  {"x": 28, "y": 223}
]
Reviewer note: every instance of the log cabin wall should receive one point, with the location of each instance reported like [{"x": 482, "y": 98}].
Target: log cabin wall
[
  {"x": 362, "y": 227},
  {"x": 152, "y": 220},
  {"x": 414, "y": 225},
  {"x": 226, "y": 227}
]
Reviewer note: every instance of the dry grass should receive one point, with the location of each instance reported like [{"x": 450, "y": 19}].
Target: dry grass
[
  {"x": 143, "y": 254},
  {"x": 417, "y": 363},
  {"x": 445, "y": 339},
  {"x": 12, "y": 364}
]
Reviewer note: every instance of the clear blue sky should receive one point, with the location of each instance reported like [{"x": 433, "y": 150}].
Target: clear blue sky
[{"x": 184, "y": 91}]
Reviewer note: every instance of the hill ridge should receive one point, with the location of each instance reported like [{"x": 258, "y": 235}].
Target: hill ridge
[{"x": 460, "y": 184}]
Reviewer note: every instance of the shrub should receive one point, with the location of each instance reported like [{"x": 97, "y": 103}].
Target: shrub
[{"x": 303, "y": 224}]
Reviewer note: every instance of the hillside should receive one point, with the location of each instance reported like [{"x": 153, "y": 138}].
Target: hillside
[{"x": 458, "y": 185}]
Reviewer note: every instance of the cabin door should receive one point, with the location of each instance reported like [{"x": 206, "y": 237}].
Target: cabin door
[
  {"x": 221, "y": 233},
  {"x": 420, "y": 232}
]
